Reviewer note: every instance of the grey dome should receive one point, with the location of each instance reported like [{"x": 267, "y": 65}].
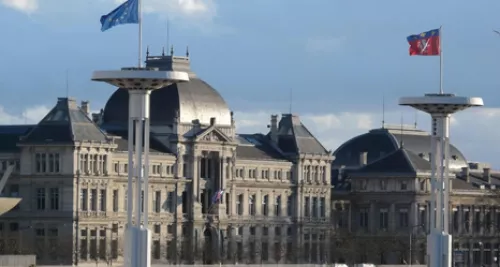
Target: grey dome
[
  {"x": 189, "y": 101},
  {"x": 379, "y": 142}
]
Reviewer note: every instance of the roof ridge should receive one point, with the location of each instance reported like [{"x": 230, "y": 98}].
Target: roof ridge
[{"x": 407, "y": 158}]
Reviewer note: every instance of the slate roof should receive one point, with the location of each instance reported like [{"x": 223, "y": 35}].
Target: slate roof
[
  {"x": 156, "y": 144},
  {"x": 380, "y": 142},
  {"x": 256, "y": 147},
  {"x": 66, "y": 123},
  {"x": 401, "y": 161},
  {"x": 185, "y": 101},
  {"x": 295, "y": 138},
  {"x": 459, "y": 184},
  {"x": 10, "y": 135}
]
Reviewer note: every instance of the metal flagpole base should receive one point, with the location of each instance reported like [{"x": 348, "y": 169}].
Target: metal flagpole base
[
  {"x": 139, "y": 82},
  {"x": 138, "y": 237}
]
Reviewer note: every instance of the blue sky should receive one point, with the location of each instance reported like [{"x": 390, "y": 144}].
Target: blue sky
[{"x": 338, "y": 57}]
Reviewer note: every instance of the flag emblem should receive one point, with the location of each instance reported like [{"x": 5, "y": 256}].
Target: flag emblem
[
  {"x": 126, "y": 13},
  {"x": 425, "y": 44}
]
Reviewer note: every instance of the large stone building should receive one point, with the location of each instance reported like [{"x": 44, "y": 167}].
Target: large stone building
[
  {"x": 286, "y": 198},
  {"x": 71, "y": 172},
  {"x": 381, "y": 201}
]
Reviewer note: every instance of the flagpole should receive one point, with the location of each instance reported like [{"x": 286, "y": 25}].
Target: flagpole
[
  {"x": 440, "y": 60},
  {"x": 139, "y": 3}
]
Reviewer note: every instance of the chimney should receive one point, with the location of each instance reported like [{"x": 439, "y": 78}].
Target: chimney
[
  {"x": 487, "y": 175},
  {"x": 212, "y": 121},
  {"x": 196, "y": 125},
  {"x": 363, "y": 158},
  {"x": 465, "y": 174},
  {"x": 274, "y": 128},
  {"x": 85, "y": 106}
]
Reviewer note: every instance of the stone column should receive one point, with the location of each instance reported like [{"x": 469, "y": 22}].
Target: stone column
[
  {"x": 428, "y": 216},
  {"x": 372, "y": 218},
  {"x": 196, "y": 177},
  {"x": 472, "y": 218},
  {"x": 258, "y": 203},
  {"x": 208, "y": 161},
  {"x": 414, "y": 215},
  {"x": 481, "y": 217},
  {"x": 349, "y": 219},
  {"x": 97, "y": 243},
  {"x": 392, "y": 217},
  {"x": 270, "y": 244},
  {"x": 88, "y": 243},
  {"x": 178, "y": 200},
  {"x": 460, "y": 210},
  {"x": 232, "y": 203},
  {"x": 284, "y": 203}
]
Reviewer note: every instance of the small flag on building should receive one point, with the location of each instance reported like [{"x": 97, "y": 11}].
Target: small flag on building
[
  {"x": 126, "y": 13},
  {"x": 425, "y": 44},
  {"x": 217, "y": 196}
]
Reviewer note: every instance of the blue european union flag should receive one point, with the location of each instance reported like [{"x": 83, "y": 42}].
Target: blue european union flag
[{"x": 126, "y": 13}]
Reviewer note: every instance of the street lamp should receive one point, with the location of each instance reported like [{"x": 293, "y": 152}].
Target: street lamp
[{"x": 411, "y": 239}]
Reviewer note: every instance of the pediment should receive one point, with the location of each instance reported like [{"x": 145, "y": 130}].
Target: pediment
[{"x": 212, "y": 135}]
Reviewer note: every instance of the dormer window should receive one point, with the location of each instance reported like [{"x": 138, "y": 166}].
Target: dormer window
[{"x": 404, "y": 185}]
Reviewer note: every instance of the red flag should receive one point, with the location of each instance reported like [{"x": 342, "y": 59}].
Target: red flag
[{"x": 425, "y": 44}]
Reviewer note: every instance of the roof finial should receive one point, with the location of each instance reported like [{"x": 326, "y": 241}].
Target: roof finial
[
  {"x": 383, "y": 111},
  {"x": 187, "y": 51},
  {"x": 147, "y": 51},
  {"x": 172, "y": 50},
  {"x": 163, "y": 51}
]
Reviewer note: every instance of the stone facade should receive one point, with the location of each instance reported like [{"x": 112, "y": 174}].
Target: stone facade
[{"x": 74, "y": 197}]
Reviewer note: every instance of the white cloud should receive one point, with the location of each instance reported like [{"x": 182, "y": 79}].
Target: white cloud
[
  {"x": 324, "y": 44},
  {"x": 472, "y": 131},
  {"x": 25, "y": 6},
  {"x": 29, "y": 115},
  {"x": 175, "y": 9}
]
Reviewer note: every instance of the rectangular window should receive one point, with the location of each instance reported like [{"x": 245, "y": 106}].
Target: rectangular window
[
  {"x": 115, "y": 200},
  {"x": 239, "y": 205},
  {"x": 277, "y": 206},
  {"x": 289, "y": 206},
  {"x": 157, "y": 201},
  {"x": 251, "y": 205},
  {"x": 44, "y": 162},
  {"x": 40, "y": 198},
  {"x": 315, "y": 207},
  {"x": 170, "y": 202},
  {"x": 403, "y": 218},
  {"x": 265, "y": 205},
  {"x": 54, "y": 198},
  {"x": 384, "y": 219},
  {"x": 51, "y": 163},
  {"x": 363, "y": 218},
  {"x": 102, "y": 198},
  {"x": 322, "y": 207},
  {"x": 83, "y": 199},
  {"x": 307, "y": 206},
  {"x": 38, "y": 160},
  {"x": 93, "y": 199},
  {"x": 56, "y": 163},
  {"x": 185, "y": 202}
]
